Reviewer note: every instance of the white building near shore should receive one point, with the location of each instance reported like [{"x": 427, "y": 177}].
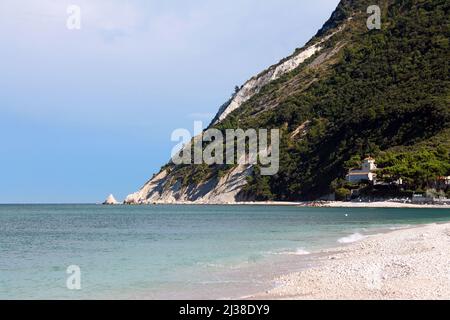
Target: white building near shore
[{"x": 366, "y": 173}]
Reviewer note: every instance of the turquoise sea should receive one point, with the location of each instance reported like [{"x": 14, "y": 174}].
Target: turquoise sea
[{"x": 174, "y": 252}]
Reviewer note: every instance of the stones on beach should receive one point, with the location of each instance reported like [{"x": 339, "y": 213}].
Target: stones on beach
[
  {"x": 110, "y": 201},
  {"x": 403, "y": 264}
]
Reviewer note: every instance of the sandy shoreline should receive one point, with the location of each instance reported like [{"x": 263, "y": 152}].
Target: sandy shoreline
[
  {"x": 318, "y": 204},
  {"x": 383, "y": 204},
  {"x": 409, "y": 263},
  {"x": 338, "y": 204}
]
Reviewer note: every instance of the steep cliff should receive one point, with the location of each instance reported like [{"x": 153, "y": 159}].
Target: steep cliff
[{"x": 348, "y": 92}]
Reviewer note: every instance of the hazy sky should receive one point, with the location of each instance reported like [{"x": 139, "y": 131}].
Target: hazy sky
[{"x": 85, "y": 113}]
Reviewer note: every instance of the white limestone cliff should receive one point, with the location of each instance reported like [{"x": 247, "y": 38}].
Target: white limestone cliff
[
  {"x": 255, "y": 84},
  {"x": 163, "y": 188},
  {"x": 214, "y": 191}
]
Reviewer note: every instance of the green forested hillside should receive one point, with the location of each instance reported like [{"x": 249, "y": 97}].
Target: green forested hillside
[{"x": 386, "y": 93}]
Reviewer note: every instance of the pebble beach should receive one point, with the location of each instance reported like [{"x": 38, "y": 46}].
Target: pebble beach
[{"x": 411, "y": 263}]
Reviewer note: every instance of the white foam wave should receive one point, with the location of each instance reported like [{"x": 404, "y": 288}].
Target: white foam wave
[
  {"x": 298, "y": 252},
  {"x": 400, "y": 227},
  {"x": 352, "y": 238}
]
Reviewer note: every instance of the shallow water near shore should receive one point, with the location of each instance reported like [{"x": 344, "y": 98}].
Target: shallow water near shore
[{"x": 174, "y": 252}]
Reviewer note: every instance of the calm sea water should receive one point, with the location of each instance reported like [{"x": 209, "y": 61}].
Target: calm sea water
[{"x": 172, "y": 251}]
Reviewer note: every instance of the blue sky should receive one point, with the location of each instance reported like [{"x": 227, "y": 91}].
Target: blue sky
[{"x": 89, "y": 112}]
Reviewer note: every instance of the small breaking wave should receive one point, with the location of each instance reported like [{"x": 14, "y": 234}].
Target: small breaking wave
[
  {"x": 352, "y": 238},
  {"x": 298, "y": 252},
  {"x": 406, "y": 226}
]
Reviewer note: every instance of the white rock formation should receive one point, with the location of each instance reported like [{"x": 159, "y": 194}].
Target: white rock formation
[
  {"x": 111, "y": 201},
  {"x": 222, "y": 191},
  {"x": 164, "y": 189},
  {"x": 255, "y": 84}
]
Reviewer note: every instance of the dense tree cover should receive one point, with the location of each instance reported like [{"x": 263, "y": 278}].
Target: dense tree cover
[
  {"x": 385, "y": 94},
  {"x": 390, "y": 88},
  {"x": 258, "y": 187},
  {"x": 419, "y": 166}
]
